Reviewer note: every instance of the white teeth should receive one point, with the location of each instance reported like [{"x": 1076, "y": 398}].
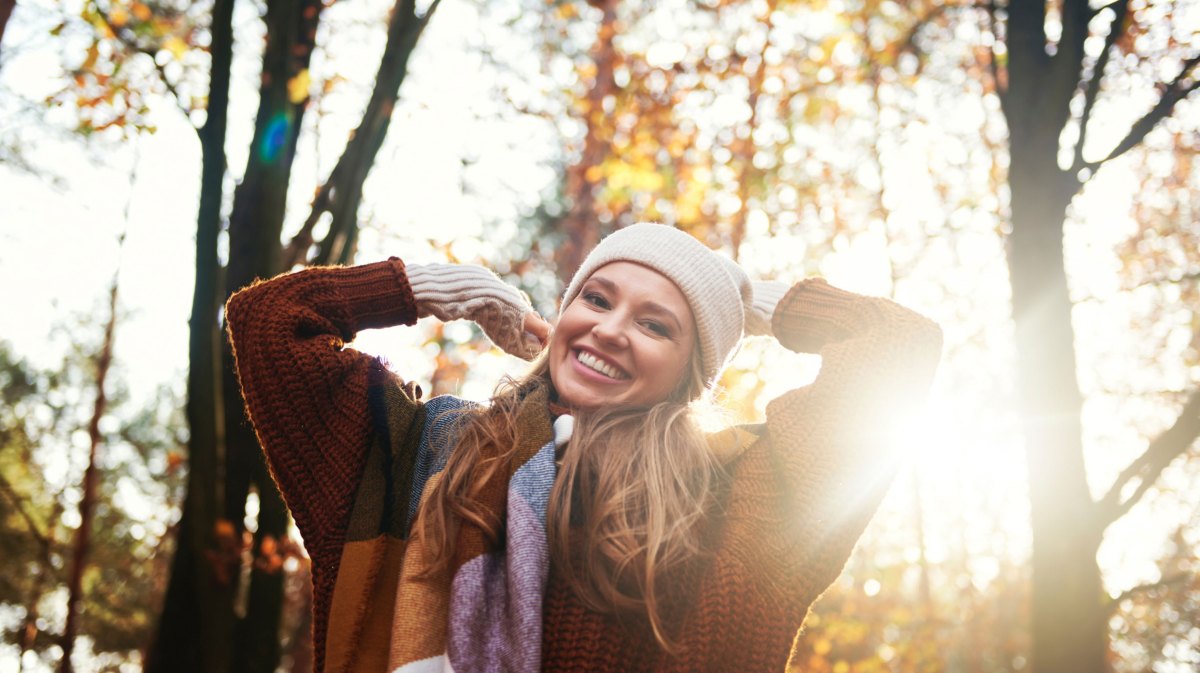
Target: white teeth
[{"x": 593, "y": 362}]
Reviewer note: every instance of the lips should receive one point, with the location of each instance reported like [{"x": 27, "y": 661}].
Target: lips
[{"x": 599, "y": 365}]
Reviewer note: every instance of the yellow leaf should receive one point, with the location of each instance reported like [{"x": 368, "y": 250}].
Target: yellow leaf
[
  {"x": 100, "y": 25},
  {"x": 118, "y": 16},
  {"x": 298, "y": 86},
  {"x": 93, "y": 53},
  {"x": 176, "y": 46},
  {"x": 647, "y": 181}
]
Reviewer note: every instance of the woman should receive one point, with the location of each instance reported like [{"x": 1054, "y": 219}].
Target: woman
[{"x": 580, "y": 521}]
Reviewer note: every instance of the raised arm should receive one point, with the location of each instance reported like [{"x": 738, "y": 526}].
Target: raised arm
[
  {"x": 305, "y": 393},
  {"x": 802, "y": 495}
]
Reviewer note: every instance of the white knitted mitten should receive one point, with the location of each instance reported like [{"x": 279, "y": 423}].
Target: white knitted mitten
[
  {"x": 767, "y": 294},
  {"x": 471, "y": 292}
]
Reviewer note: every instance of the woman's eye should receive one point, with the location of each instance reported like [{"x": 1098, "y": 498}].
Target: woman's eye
[
  {"x": 658, "y": 328},
  {"x": 595, "y": 299}
]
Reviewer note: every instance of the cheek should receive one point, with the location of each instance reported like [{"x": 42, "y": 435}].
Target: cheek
[
  {"x": 557, "y": 348},
  {"x": 558, "y": 345},
  {"x": 667, "y": 366}
]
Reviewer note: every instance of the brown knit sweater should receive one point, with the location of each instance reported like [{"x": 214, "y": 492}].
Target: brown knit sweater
[{"x": 796, "y": 499}]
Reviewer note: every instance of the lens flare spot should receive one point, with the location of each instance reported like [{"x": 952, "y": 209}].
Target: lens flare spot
[{"x": 275, "y": 137}]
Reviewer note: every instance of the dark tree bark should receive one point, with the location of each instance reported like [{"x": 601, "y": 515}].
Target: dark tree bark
[
  {"x": 6, "y": 9},
  {"x": 255, "y": 228},
  {"x": 198, "y": 630},
  {"x": 195, "y": 627}
]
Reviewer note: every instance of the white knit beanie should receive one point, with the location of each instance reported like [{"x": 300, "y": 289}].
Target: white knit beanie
[{"x": 716, "y": 288}]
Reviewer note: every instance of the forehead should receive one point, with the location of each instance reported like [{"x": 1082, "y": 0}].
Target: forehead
[{"x": 635, "y": 281}]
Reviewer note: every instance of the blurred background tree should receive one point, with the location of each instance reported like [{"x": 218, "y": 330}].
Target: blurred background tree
[{"x": 44, "y": 447}]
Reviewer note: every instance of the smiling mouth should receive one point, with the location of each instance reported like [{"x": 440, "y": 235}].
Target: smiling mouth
[{"x": 596, "y": 364}]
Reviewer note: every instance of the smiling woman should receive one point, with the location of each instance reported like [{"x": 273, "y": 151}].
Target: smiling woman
[
  {"x": 581, "y": 521},
  {"x": 627, "y": 341}
]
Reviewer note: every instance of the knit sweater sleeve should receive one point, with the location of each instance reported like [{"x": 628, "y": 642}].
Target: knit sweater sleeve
[
  {"x": 802, "y": 495},
  {"x": 305, "y": 393}
]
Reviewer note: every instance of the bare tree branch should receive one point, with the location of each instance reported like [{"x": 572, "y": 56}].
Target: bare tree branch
[
  {"x": 1115, "y": 30},
  {"x": 35, "y": 529},
  {"x": 82, "y": 544},
  {"x": 1148, "y": 282},
  {"x": 341, "y": 193},
  {"x": 908, "y": 42},
  {"x": 131, "y": 43},
  {"x": 1146, "y": 468},
  {"x": 1125, "y": 595},
  {"x": 296, "y": 251},
  {"x": 1001, "y": 85},
  {"x": 1068, "y": 58},
  {"x": 1163, "y": 280},
  {"x": 1179, "y": 88}
]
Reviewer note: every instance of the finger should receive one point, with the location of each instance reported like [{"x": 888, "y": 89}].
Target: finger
[{"x": 535, "y": 325}]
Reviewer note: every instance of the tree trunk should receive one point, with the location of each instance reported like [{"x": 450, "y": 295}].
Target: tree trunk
[
  {"x": 255, "y": 251},
  {"x": 257, "y": 639},
  {"x": 195, "y": 629},
  {"x": 301, "y": 650},
  {"x": 343, "y": 191},
  {"x": 580, "y": 226},
  {"x": 91, "y": 477},
  {"x": 227, "y": 461},
  {"x": 259, "y": 203},
  {"x": 1068, "y": 634},
  {"x": 6, "y": 9}
]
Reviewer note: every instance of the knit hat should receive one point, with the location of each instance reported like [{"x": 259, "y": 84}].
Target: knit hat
[{"x": 716, "y": 288}]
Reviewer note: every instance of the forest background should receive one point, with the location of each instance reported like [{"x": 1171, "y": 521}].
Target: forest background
[{"x": 1025, "y": 173}]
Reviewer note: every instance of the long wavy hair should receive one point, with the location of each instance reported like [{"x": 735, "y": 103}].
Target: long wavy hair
[{"x": 633, "y": 485}]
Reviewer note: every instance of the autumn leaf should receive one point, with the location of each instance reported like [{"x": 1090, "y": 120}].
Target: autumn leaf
[
  {"x": 93, "y": 53},
  {"x": 223, "y": 529},
  {"x": 141, "y": 11},
  {"x": 118, "y": 16},
  {"x": 298, "y": 87},
  {"x": 176, "y": 46}
]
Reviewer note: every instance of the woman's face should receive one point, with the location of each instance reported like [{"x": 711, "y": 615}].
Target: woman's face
[{"x": 624, "y": 340}]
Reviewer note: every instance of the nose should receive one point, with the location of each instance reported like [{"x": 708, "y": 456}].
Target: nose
[{"x": 609, "y": 329}]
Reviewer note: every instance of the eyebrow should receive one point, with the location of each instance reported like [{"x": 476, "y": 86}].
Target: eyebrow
[{"x": 648, "y": 305}]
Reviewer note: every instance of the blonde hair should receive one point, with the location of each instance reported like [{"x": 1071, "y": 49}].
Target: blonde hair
[{"x": 633, "y": 485}]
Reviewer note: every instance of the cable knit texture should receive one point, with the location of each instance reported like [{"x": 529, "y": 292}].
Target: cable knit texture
[
  {"x": 471, "y": 292},
  {"x": 341, "y": 433}
]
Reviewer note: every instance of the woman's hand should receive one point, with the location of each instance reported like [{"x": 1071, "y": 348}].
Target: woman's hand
[
  {"x": 536, "y": 331},
  {"x": 472, "y": 292},
  {"x": 759, "y": 313}
]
